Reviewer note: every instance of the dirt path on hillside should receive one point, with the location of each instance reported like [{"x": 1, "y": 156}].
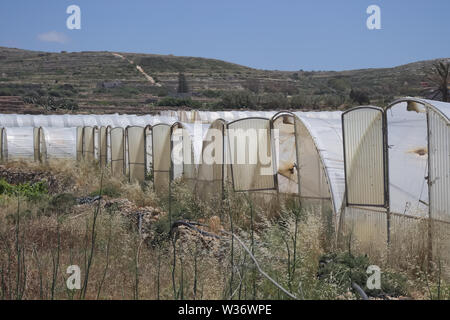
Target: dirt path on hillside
[{"x": 140, "y": 69}]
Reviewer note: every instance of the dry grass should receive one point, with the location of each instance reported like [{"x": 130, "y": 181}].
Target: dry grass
[{"x": 40, "y": 238}]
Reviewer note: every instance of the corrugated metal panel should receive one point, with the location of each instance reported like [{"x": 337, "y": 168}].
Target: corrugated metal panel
[
  {"x": 251, "y": 154},
  {"x": 439, "y": 180},
  {"x": 364, "y": 156},
  {"x": 136, "y": 153},
  {"x": 439, "y": 165}
]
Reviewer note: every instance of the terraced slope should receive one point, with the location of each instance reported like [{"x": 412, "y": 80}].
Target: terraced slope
[{"x": 141, "y": 83}]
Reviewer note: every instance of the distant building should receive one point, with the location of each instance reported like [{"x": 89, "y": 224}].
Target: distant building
[{"x": 109, "y": 84}]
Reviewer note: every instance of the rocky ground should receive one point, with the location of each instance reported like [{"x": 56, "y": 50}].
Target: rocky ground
[{"x": 20, "y": 175}]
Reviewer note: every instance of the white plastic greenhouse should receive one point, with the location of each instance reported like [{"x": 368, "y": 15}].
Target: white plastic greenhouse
[{"x": 379, "y": 173}]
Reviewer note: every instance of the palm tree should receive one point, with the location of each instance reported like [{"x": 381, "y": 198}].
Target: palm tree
[{"x": 440, "y": 80}]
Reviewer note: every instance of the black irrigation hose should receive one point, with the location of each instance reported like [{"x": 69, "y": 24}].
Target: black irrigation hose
[
  {"x": 191, "y": 225},
  {"x": 360, "y": 291}
]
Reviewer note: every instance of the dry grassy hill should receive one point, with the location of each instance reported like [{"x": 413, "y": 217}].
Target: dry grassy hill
[{"x": 141, "y": 83}]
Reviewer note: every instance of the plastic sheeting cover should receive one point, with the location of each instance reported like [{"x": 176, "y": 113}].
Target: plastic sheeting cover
[
  {"x": 19, "y": 143},
  {"x": 60, "y": 143},
  {"x": 325, "y": 129}
]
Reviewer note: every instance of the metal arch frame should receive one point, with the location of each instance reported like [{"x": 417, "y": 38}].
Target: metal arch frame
[
  {"x": 385, "y": 159},
  {"x": 274, "y": 118},
  {"x": 275, "y": 176},
  {"x": 323, "y": 167},
  {"x": 428, "y": 106},
  {"x": 281, "y": 113},
  {"x": 422, "y": 102}
]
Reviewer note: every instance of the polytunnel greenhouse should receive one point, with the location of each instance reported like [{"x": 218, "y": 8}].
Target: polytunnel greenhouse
[
  {"x": 404, "y": 152},
  {"x": 380, "y": 176}
]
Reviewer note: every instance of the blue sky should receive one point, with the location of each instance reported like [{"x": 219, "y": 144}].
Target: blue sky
[{"x": 281, "y": 34}]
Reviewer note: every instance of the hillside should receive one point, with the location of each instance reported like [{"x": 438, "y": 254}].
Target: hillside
[{"x": 35, "y": 82}]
